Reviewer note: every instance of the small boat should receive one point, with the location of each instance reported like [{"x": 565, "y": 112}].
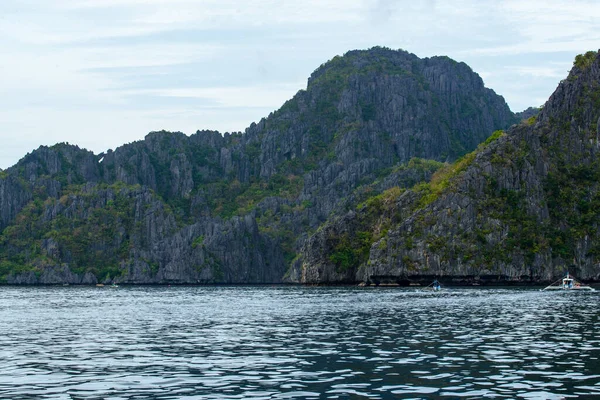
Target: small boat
[
  {"x": 569, "y": 283},
  {"x": 99, "y": 285},
  {"x": 435, "y": 286},
  {"x": 114, "y": 285}
]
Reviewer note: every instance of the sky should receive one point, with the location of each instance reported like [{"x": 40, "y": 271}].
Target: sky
[{"x": 102, "y": 73}]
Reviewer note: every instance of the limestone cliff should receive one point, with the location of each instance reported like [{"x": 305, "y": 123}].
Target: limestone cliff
[
  {"x": 237, "y": 208},
  {"x": 524, "y": 207}
]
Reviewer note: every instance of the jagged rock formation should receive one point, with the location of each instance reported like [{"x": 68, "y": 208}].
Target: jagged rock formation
[
  {"x": 528, "y": 113},
  {"x": 236, "y": 208},
  {"x": 524, "y": 207}
]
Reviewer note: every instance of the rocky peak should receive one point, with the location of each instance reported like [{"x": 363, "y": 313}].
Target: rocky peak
[
  {"x": 362, "y": 61},
  {"x": 528, "y": 113},
  {"x": 578, "y": 96},
  {"x": 360, "y": 123},
  {"x": 523, "y": 208},
  {"x": 61, "y": 159}
]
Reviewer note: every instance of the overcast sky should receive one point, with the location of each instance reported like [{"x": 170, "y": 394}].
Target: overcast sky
[{"x": 101, "y": 73}]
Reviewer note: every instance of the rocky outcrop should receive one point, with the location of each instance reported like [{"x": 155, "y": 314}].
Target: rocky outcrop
[
  {"x": 14, "y": 195},
  {"x": 527, "y": 113},
  {"x": 236, "y": 208},
  {"x": 63, "y": 161},
  {"x": 523, "y": 208},
  {"x": 52, "y": 275},
  {"x": 133, "y": 226}
]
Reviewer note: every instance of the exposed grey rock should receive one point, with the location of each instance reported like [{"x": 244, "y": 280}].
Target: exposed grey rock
[
  {"x": 59, "y": 275},
  {"x": 518, "y": 213},
  {"x": 89, "y": 279},
  {"x": 361, "y": 116},
  {"x": 26, "y": 278},
  {"x": 14, "y": 195},
  {"x": 527, "y": 113}
]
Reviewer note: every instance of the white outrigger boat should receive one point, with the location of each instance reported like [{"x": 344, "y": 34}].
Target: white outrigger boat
[{"x": 569, "y": 283}]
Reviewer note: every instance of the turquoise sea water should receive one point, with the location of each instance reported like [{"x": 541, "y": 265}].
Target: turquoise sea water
[{"x": 297, "y": 342}]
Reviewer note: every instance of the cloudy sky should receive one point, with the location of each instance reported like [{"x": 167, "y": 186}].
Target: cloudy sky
[{"x": 101, "y": 73}]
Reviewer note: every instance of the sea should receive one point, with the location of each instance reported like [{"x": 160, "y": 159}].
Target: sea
[{"x": 295, "y": 342}]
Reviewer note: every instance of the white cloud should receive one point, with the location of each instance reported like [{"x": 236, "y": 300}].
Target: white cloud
[
  {"x": 545, "y": 26},
  {"x": 537, "y": 46},
  {"x": 264, "y": 96},
  {"x": 539, "y": 72}
]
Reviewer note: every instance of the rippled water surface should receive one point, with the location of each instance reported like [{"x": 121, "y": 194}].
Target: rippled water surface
[{"x": 297, "y": 342}]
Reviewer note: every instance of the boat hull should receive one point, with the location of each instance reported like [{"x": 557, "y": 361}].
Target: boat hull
[{"x": 584, "y": 288}]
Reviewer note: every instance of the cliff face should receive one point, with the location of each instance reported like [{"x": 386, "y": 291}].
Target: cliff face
[
  {"x": 236, "y": 208},
  {"x": 14, "y": 195},
  {"x": 524, "y": 207}
]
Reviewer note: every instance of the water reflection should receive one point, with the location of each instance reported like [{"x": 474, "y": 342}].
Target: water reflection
[{"x": 295, "y": 342}]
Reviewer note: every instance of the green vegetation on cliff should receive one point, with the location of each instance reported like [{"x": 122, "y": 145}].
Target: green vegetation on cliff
[
  {"x": 351, "y": 249},
  {"x": 369, "y": 124},
  {"x": 91, "y": 229},
  {"x": 378, "y": 214},
  {"x": 583, "y": 61},
  {"x": 523, "y": 207}
]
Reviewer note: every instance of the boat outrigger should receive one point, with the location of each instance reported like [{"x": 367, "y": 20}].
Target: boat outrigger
[{"x": 569, "y": 283}]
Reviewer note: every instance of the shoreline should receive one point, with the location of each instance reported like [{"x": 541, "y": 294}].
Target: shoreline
[{"x": 541, "y": 284}]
